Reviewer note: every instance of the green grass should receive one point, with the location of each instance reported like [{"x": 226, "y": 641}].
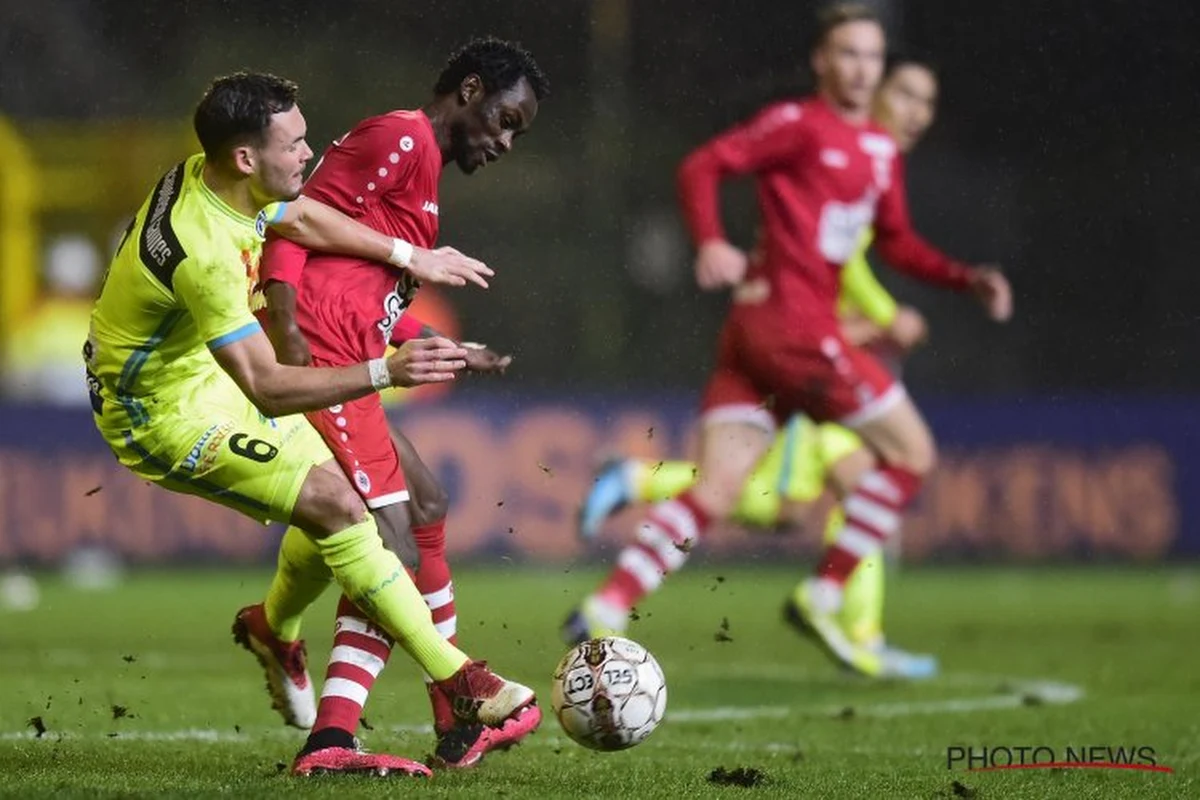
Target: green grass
[{"x": 158, "y": 646}]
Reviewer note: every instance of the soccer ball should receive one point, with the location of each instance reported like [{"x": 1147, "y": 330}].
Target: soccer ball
[{"x": 609, "y": 694}]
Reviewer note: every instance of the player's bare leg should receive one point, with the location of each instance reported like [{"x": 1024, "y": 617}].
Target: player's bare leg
[
  {"x": 905, "y": 453},
  {"x": 729, "y": 452}
]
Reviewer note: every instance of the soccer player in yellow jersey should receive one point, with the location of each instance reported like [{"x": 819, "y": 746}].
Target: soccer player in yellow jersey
[
  {"x": 807, "y": 458},
  {"x": 186, "y": 390}
]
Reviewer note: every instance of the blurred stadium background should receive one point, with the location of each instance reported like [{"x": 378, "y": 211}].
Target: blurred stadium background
[{"x": 1059, "y": 152}]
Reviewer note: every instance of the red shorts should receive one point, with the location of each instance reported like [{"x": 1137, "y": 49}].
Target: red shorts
[
  {"x": 767, "y": 370},
  {"x": 357, "y": 433}
]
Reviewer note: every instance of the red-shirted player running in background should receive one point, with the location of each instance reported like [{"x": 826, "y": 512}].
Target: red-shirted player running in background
[
  {"x": 824, "y": 173},
  {"x": 336, "y": 310}
]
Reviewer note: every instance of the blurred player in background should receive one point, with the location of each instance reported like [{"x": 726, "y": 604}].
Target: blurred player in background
[
  {"x": 332, "y": 310},
  {"x": 825, "y": 174},
  {"x": 186, "y": 389},
  {"x": 807, "y": 458}
]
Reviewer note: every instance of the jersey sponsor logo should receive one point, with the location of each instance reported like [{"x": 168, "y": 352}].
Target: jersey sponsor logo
[
  {"x": 834, "y": 159},
  {"x": 842, "y": 225},
  {"x": 395, "y": 303},
  {"x": 204, "y": 452},
  {"x": 158, "y": 246},
  {"x": 430, "y": 207}
]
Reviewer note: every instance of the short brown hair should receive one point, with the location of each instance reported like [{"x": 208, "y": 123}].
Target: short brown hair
[{"x": 839, "y": 14}]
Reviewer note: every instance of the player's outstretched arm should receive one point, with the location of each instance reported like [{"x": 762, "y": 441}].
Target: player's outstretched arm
[
  {"x": 279, "y": 389},
  {"x": 314, "y": 225},
  {"x": 480, "y": 357}
]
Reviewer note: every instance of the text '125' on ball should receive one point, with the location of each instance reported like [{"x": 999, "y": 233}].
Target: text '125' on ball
[{"x": 609, "y": 694}]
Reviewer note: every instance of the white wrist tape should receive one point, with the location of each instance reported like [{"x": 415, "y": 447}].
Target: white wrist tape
[
  {"x": 381, "y": 378},
  {"x": 402, "y": 253}
]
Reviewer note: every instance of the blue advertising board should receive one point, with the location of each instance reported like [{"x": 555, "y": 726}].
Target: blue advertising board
[{"x": 1018, "y": 480}]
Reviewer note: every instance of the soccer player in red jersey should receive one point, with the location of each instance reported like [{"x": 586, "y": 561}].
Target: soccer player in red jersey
[
  {"x": 824, "y": 173},
  {"x": 325, "y": 310}
]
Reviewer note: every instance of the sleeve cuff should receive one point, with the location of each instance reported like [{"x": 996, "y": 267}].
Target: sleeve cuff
[{"x": 234, "y": 336}]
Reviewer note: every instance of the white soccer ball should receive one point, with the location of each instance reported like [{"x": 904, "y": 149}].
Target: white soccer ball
[{"x": 609, "y": 694}]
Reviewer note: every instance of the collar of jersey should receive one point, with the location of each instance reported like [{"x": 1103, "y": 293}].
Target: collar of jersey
[{"x": 221, "y": 205}]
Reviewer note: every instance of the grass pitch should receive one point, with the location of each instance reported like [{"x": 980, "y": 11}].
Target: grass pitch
[{"x": 141, "y": 692}]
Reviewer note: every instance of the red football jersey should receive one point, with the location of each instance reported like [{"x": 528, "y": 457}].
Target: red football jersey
[
  {"x": 385, "y": 174},
  {"x": 821, "y": 183}
]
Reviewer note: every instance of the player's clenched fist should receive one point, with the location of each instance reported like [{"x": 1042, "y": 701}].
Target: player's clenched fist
[
  {"x": 992, "y": 289},
  {"x": 447, "y": 266},
  {"x": 719, "y": 264},
  {"x": 420, "y": 361}
]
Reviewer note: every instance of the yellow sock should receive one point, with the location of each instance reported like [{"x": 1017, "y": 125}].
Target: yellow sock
[
  {"x": 300, "y": 578},
  {"x": 862, "y": 603},
  {"x": 375, "y": 580},
  {"x": 655, "y": 481},
  {"x": 862, "y": 599}
]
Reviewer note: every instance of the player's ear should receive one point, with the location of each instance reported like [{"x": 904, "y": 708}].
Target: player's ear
[
  {"x": 817, "y": 61},
  {"x": 470, "y": 89},
  {"x": 244, "y": 159}
]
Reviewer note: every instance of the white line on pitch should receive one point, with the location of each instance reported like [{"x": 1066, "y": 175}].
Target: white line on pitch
[{"x": 1017, "y": 693}]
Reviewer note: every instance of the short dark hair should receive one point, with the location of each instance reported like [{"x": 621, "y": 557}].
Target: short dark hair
[
  {"x": 238, "y": 107},
  {"x": 902, "y": 58},
  {"x": 499, "y": 64},
  {"x": 839, "y": 14}
]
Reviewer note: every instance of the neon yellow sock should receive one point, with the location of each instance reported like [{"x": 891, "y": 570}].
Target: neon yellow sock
[
  {"x": 655, "y": 481},
  {"x": 862, "y": 599},
  {"x": 300, "y": 578},
  {"x": 375, "y": 580},
  {"x": 862, "y": 602}
]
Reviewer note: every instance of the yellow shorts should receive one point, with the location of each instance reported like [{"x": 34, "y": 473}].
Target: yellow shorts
[
  {"x": 795, "y": 468},
  {"x": 229, "y": 453}
]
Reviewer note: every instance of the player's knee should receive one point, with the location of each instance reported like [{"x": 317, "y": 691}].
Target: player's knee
[
  {"x": 432, "y": 506},
  {"x": 341, "y": 510},
  {"x": 720, "y": 487},
  {"x": 327, "y": 504},
  {"x": 920, "y": 457}
]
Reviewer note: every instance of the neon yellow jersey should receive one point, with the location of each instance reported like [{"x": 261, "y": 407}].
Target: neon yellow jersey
[
  {"x": 861, "y": 291},
  {"x": 178, "y": 287}
]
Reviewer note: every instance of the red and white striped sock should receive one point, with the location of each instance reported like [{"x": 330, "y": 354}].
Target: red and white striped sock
[
  {"x": 664, "y": 539},
  {"x": 360, "y": 651},
  {"x": 873, "y": 514}
]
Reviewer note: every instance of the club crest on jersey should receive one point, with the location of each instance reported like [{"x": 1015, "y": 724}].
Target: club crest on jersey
[
  {"x": 362, "y": 481},
  {"x": 395, "y": 303},
  {"x": 260, "y": 223}
]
